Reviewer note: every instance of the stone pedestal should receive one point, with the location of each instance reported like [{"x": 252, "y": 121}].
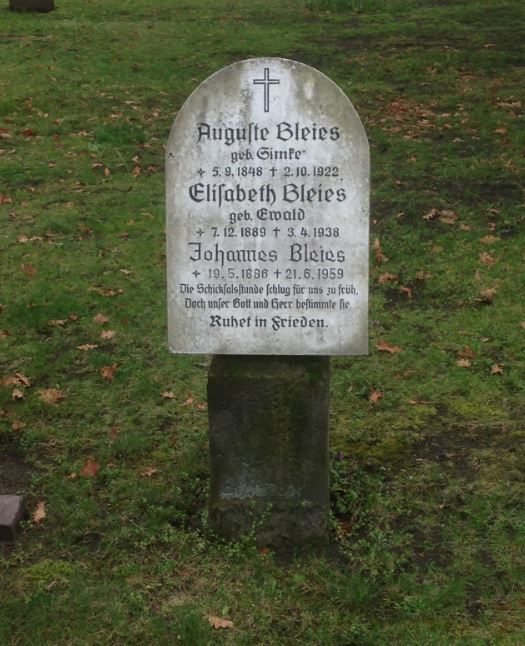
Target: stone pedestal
[
  {"x": 42, "y": 6},
  {"x": 268, "y": 420}
]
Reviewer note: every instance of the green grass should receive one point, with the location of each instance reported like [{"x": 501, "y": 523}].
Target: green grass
[{"x": 427, "y": 484}]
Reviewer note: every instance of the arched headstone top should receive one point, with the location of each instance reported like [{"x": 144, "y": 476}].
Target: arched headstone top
[{"x": 267, "y": 171}]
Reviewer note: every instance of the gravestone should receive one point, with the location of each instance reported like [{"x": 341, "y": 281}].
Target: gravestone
[
  {"x": 42, "y": 6},
  {"x": 11, "y": 511},
  {"x": 267, "y": 185}
]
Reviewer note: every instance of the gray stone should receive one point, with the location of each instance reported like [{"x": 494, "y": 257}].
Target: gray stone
[
  {"x": 268, "y": 420},
  {"x": 11, "y": 511},
  {"x": 42, "y": 6},
  {"x": 267, "y": 187}
]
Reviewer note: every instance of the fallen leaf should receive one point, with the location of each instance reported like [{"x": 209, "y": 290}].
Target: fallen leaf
[
  {"x": 217, "y": 623},
  {"x": 108, "y": 372},
  {"x": 107, "y": 291},
  {"x": 126, "y": 272},
  {"x": 29, "y": 270},
  {"x": 466, "y": 353},
  {"x": 523, "y": 324},
  {"x": 58, "y": 322},
  {"x": 107, "y": 172},
  {"x": 107, "y": 334},
  {"x": 50, "y": 396},
  {"x": 448, "y": 217},
  {"x": 114, "y": 433},
  {"x": 487, "y": 295},
  {"x": 384, "y": 346},
  {"x": 375, "y": 396},
  {"x": 22, "y": 238},
  {"x": 486, "y": 259},
  {"x": 17, "y": 395},
  {"x": 423, "y": 275},
  {"x": 4, "y": 334},
  {"x": 386, "y": 277},
  {"x": 431, "y": 215},
  {"x": 489, "y": 239},
  {"x": 500, "y": 131},
  {"x": 148, "y": 472},
  {"x": 202, "y": 407},
  {"x": 380, "y": 256},
  {"x": 497, "y": 369},
  {"x": 4, "y": 199},
  {"x": 137, "y": 170},
  {"x": 168, "y": 394},
  {"x": 407, "y": 291},
  {"x": 28, "y": 132},
  {"x": 101, "y": 319},
  {"x": 90, "y": 468},
  {"x": 22, "y": 380},
  {"x": 87, "y": 346},
  {"x": 17, "y": 425},
  {"x": 463, "y": 363},
  {"x": 40, "y": 512},
  {"x": 189, "y": 401},
  {"x": 4, "y": 133}
]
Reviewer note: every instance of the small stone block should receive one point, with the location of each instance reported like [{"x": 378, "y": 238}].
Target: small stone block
[
  {"x": 42, "y": 6},
  {"x": 11, "y": 511}
]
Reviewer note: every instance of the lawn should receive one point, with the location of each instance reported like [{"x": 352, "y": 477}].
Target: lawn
[{"x": 106, "y": 432}]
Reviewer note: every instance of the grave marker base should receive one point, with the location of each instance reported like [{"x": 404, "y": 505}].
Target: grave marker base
[{"x": 268, "y": 419}]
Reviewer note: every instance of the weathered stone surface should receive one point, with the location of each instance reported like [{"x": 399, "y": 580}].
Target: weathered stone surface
[
  {"x": 268, "y": 421},
  {"x": 11, "y": 511},
  {"x": 267, "y": 187},
  {"x": 42, "y": 6}
]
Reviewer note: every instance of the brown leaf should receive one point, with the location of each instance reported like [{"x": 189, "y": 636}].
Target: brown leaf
[
  {"x": 58, "y": 322},
  {"x": 4, "y": 133},
  {"x": 107, "y": 172},
  {"x": 87, "y": 346},
  {"x": 384, "y": 346},
  {"x": 4, "y": 334},
  {"x": 487, "y": 295},
  {"x": 523, "y": 324},
  {"x": 4, "y": 199},
  {"x": 17, "y": 395},
  {"x": 22, "y": 238},
  {"x": 423, "y": 275},
  {"x": 407, "y": 291},
  {"x": 108, "y": 372},
  {"x": 386, "y": 277},
  {"x": 466, "y": 353},
  {"x": 90, "y": 468},
  {"x": 380, "y": 256},
  {"x": 486, "y": 259},
  {"x": 126, "y": 272},
  {"x": 137, "y": 170},
  {"x": 448, "y": 217},
  {"x": 168, "y": 394},
  {"x": 188, "y": 401},
  {"x": 114, "y": 433},
  {"x": 28, "y": 132},
  {"x": 50, "y": 396},
  {"x": 17, "y": 425},
  {"x": 497, "y": 369},
  {"x": 202, "y": 407},
  {"x": 489, "y": 239},
  {"x": 107, "y": 291},
  {"x": 40, "y": 512},
  {"x": 431, "y": 215},
  {"x": 29, "y": 270},
  {"x": 22, "y": 380},
  {"x": 463, "y": 363},
  {"x": 148, "y": 472},
  {"x": 375, "y": 396},
  {"x": 500, "y": 131},
  {"x": 217, "y": 623},
  {"x": 101, "y": 319},
  {"x": 107, "y": 334}
]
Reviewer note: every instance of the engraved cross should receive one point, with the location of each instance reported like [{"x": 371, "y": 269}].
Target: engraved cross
[{"x": 266, "y": 81}]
